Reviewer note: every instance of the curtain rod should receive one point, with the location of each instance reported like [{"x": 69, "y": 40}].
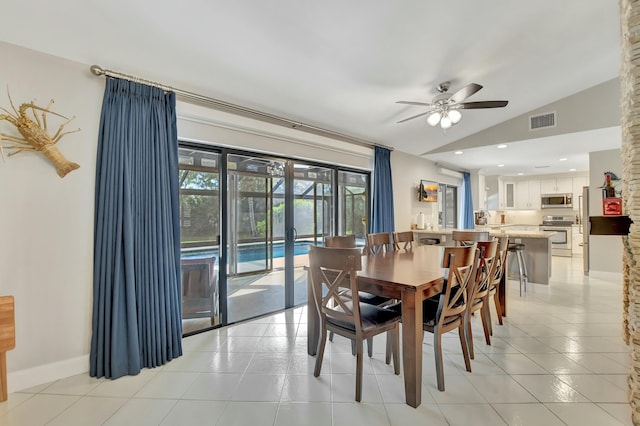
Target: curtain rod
[{"x": 239, "y": 110}]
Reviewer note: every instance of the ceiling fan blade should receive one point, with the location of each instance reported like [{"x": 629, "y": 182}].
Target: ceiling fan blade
[
  {"x": 482, "y": 104},
  {"x": 414, "y": 116},
  {"x": 464, "y": 93},
  {"x": 413, "y": 103}
]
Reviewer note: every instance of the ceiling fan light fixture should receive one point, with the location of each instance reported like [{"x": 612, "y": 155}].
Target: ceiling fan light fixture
[
  {"x": 445, "y": 122},
  {"x": 455, "y": 116},
  {"x": 434, "y": 118}
]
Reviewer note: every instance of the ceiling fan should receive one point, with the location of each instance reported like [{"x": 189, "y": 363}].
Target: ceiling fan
[{"x": 445, "y": 108}]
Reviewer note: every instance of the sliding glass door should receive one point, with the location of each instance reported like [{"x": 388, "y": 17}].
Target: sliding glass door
[
  {"x": 247, "y": 221},
  {"x": 256, "y": 206},
  {"x": 199, "y": 183},
  {"x": 313, "y": 213}
]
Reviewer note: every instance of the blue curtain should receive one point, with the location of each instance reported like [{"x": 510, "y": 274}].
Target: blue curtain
[
  {"x": 382, "y": 219},
  {"x": 136, "y": 279},
  {"x": 466, "y": 212}
]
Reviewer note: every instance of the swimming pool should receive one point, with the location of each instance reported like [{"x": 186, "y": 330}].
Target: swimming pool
[{"x": 251, "y": 252}]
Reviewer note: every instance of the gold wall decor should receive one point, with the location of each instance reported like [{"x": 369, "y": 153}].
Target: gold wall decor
[{"x": 34, "y": 135}]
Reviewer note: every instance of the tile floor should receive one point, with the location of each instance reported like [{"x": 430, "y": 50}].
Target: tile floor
[{"x": 559, "y": 359}]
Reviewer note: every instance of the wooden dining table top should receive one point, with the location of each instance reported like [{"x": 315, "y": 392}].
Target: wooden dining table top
[{"x": 415, "y": 268}]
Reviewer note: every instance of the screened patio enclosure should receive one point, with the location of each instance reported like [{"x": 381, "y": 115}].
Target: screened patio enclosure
[{"x": 247, "y": 248}]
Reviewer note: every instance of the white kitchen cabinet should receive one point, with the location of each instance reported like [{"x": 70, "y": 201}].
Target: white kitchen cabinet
[
  {"x": 528, "y": 194},
  {"x": 506, "y": 194},
  {"x": 557, "y": 186}
]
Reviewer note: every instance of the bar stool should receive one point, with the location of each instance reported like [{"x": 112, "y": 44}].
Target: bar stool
[{"x": 518, "y": 250}]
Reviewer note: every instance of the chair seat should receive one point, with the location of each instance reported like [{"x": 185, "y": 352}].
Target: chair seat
[
  {"x": 372, "y": 299},
  {"x": 372, "y": 316}
]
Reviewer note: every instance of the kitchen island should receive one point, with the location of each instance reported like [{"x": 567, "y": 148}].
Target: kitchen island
[{"x": 537, "y": 253}]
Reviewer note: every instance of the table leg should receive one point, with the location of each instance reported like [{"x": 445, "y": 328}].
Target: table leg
[
  {"x": 313, "y": 321},
  {"x": 412, "y": 347}
]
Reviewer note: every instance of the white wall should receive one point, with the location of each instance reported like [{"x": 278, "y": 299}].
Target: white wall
[
  {"x": 407, "y": 171},
  {"x": 46, "y": 254},
  {"x": 605, "y": 251}
]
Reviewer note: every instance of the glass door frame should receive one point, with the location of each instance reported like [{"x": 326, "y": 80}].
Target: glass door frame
[{"x": 223, "y": 153}]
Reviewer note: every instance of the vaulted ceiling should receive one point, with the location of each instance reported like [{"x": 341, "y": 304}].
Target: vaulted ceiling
[{"x": 341, "y": 65}]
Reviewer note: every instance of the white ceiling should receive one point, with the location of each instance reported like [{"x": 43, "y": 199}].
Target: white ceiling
[{"x": 341, "y": 65}]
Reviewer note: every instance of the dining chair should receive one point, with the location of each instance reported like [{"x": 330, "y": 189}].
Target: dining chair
[
  {"x": 403, "y": 237},
  {"x": 466, "y": 238},
  {"x": 341, "y": 241},
  {"x": 333, "y": 269},
  {"x": 496, "y": 280},
  {"x": 446, "y": 312},
  {"x": 479, "y": 290},
  {"x": 378, "y": 243},
  {"x": 349, "y": 241}
]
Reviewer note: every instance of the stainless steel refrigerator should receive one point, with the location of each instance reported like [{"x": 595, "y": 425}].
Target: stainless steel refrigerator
[{"x": 584, "y": 217}]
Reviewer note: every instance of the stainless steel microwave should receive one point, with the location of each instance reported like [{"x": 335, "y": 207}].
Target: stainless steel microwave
[{"x": 556, "y": 201}]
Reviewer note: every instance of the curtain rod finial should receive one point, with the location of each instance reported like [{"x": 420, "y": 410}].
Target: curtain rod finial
[{"x": 97, "y": 70}]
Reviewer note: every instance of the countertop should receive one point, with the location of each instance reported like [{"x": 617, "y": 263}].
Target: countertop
[{"x": 514, "y": 233}]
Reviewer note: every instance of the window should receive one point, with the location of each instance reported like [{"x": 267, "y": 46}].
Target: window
[{"x": 448, "y": 206}]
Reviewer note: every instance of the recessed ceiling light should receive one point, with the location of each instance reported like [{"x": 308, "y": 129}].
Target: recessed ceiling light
[
  {"x": 572, "y": 170},
  {"x": 520, "y": 174},
  {"x": 501, "y": 146},
  {"x": 500, "y": 165},
  {"x": 563, "y": 159},
  {"x": 458, "y": 152}
]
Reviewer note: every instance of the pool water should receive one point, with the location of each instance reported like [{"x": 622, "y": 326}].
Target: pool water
[{"x": 254, "y": 252}]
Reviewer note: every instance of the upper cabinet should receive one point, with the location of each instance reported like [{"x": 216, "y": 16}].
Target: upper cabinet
[
  {"x": 506, "y": 194},
  {"x": 524, "y": 194},
  {"x": 528, "y": 194},
  {"x": 562, "y": 185}
]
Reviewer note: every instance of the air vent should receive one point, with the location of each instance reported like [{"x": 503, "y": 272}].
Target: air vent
[{"x": 542, "y": 121}]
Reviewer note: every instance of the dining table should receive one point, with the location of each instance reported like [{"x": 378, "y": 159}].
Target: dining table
[{"x": 410, "y": 276}]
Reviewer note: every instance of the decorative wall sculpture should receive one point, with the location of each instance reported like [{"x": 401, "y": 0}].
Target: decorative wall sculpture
[{"x": 33, "y": 135}]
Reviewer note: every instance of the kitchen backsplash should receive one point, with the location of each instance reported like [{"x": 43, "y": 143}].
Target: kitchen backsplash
[{"x": 526, "y": 217}]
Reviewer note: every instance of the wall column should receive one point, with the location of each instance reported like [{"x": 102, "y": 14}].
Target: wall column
[{"x": 630, "y": 151}]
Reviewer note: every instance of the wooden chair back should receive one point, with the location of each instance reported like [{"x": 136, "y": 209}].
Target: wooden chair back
[
  {"x": 341, "y": 241},
  {"x": 403, "y": 237},
  {"x": 501, "y": 260},
  {"x": 334, "y": 271},
  {"x": 378, "y": 243},
  {"x": 461, "y": 263},
  {"x": 466, "y": 238},
  {"x": 485, "y": 270}
]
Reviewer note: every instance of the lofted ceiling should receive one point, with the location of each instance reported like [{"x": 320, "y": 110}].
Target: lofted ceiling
[{"x": 342, "y": 65}]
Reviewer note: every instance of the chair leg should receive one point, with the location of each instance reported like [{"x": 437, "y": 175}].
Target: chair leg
[
  {"x": 465, "y": 349},
  {"x": 486, "y": 322},
  {"x": 320, "y": 351},
  {"x": 370, "y": 347},
  {"x": 496, "y": 299},
  {"x": 469, "y": 335},
  {"x": 359, "y": 355},
  {"x": 387, "y": 352},
  {"x": 485, "y": 302},
  {"x": 437, "y": 347},
  {"x": 395, "y": 335},
  {"x": 331, "y": 336},
  {"x": 520, "y": 272}
]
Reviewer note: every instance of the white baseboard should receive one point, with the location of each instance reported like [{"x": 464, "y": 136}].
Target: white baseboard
[
  {"x": 30, "y": 377},
  {"x": 606, "y": 275}
]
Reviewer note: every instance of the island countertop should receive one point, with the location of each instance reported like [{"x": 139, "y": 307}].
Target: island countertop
[
  {"x": 512, "y": 233},
  {"x": 537, "y": 252}
]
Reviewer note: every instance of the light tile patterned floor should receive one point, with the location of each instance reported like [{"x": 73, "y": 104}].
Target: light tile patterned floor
[{"x": 559, "y": 359}]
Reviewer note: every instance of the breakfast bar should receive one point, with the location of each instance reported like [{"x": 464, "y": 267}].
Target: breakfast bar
[{"x": 537, "y": 248}]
